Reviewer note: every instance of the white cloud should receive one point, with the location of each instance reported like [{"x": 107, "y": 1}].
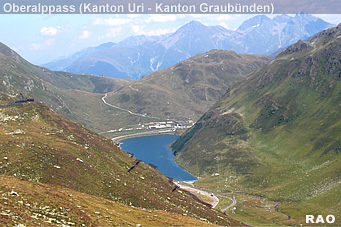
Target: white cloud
[
  {"x": 215, "y": 17},
  {"x": 141, "y": 30},
  {"x": 162, "y": 18},
  {"x": 35, "y": 46},
  {"x": 226, "y": 17},
  {"x": 113, "y": 32},
  {"x": 200, "y": 15},
  {"x": 52, "y": 31},
  {"x": 41, "y": 46},
  {"x": 133, "y": 15},
  {"x": 85, "y": 34},
  {"x": 111, "y": 21},
  {"x": 137, "y": 29},
  {"x": 49, "y": 31},
  {"x": 160, "y": 31}
]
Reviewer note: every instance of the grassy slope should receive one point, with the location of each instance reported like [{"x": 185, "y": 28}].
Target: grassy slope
[
  {"x": 196, "y": 84},
  {"x": 189, "y": 88},
  {"x": 78, "y": 97},
  {"x": 63, "y": 80},
  {"x": 35, "y": 204},
  {"x": 55, "y": 151},
  {"x": 277, "y": 133}
]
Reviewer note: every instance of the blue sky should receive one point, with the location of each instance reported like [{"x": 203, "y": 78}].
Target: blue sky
[{"x": 42, "y": 38}]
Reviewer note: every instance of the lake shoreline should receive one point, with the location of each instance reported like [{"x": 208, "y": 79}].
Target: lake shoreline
[
  {"x": 154, "y": 149},
  {"x": 142, "y": 134}
]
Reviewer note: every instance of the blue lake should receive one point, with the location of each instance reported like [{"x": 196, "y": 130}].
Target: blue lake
[{"x": 155, "y": 150}]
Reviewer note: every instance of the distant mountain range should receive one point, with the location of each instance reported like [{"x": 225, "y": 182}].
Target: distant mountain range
[{"x": 140, "y": 55}]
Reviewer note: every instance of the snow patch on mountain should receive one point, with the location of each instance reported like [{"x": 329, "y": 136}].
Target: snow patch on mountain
[{"x": 141, "y": 55}]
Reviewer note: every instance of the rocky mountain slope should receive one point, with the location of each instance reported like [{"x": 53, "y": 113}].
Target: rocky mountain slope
[
  {"x": 31, "y": 204},
  {"x": 133, "y": 41},
  {"x": 189, "y": 88},
  {"x": 38, "y": 145},
  {"x": 139, "y": 56},
  {"x": 277, "y": 133}
]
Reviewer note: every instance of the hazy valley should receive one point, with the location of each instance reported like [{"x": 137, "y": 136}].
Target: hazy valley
[{"x": 263, "y": 135}]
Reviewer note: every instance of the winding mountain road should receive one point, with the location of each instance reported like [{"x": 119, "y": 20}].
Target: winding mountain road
[
  {"x": 234, "y": 202},
  {"x": 215, "y": 198},
  {"x": 130, "y": 112}
]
